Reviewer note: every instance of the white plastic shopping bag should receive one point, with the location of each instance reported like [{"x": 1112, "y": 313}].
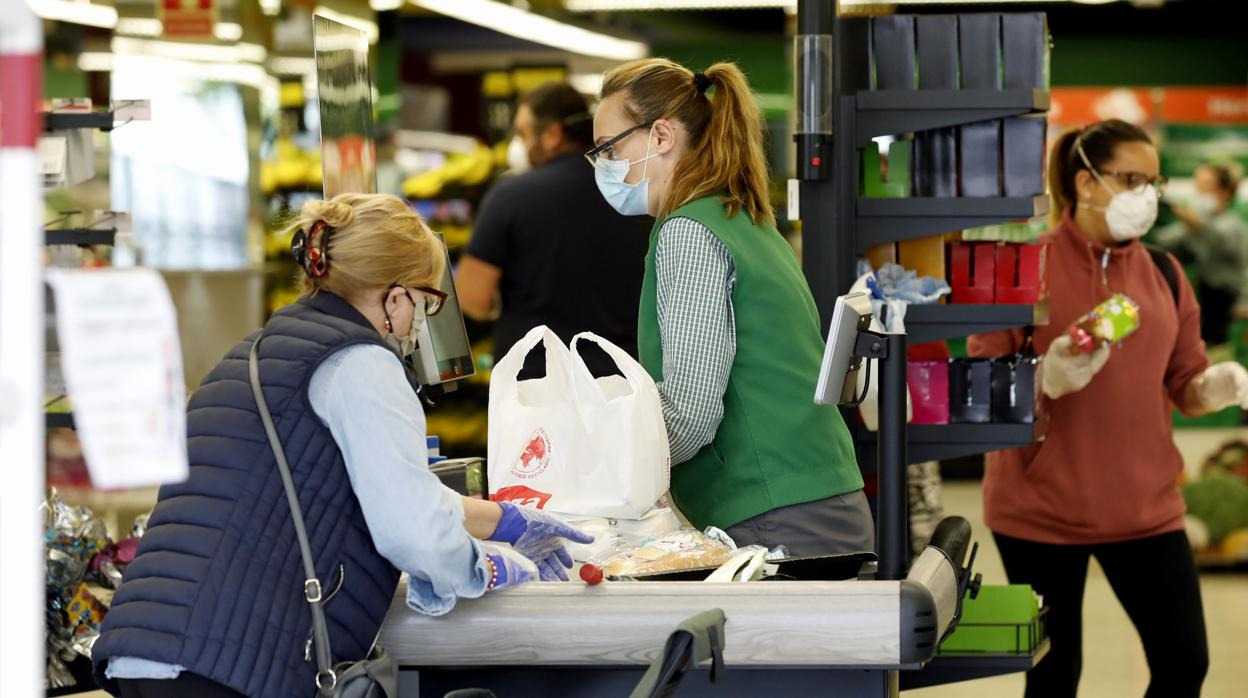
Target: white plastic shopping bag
[{"x": 571, "y": 444}]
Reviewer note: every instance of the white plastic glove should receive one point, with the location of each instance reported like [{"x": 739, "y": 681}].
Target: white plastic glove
[
  {"x": 1065, "y": 374},
  {"x": 1220, "y": 386}
]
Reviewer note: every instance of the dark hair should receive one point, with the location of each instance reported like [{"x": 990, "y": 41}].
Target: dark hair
[
  {"x": 1228, "y": 175},
  {"x": 560, "y": 103},
  {"x": 1099, "y": 142}
]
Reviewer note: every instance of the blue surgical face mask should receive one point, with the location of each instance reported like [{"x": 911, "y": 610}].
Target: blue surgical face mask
[{"x": 628, "y": 199}]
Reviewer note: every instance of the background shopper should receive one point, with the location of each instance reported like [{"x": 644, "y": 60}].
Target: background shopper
[
  {"x": 728, "y": 328},
  {"x": 546, "y": 249},
  {"x": 1215, "y": 237},
  {"x": 1104, "y": 482},
  {"x": 214, "y": 604}
]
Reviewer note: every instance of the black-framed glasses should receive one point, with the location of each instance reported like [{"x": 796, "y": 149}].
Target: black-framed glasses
[
  {"x": 607, "y": 150},
  {"x": 435, "y": 300},
  {"x": 1134, "y": 180}
]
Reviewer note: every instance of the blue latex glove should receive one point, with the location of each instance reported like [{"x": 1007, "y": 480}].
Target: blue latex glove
[
  {"x": 539, "y": 537},
  {"x": 513, "y": 568}
]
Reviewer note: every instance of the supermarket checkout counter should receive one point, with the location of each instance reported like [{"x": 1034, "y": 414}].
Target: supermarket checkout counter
[
  {"x": 853, "y": 632},
  {"x": 843, "y": 638}
]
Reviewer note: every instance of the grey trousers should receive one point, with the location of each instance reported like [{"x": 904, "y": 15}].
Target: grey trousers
[{"x": 836, "y": 525}]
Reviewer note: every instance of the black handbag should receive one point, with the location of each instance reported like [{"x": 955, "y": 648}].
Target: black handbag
[{"x": 377, "y": 675}]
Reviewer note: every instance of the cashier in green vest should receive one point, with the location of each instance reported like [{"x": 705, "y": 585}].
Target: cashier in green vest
[{"x": 727, "y": 325}]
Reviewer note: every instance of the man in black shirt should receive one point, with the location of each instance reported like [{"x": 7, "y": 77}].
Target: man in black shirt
[{"x": 546, "y": 246}]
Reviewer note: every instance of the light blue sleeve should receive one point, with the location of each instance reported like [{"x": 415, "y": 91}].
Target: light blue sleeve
[{"x": 362, "y": 395}]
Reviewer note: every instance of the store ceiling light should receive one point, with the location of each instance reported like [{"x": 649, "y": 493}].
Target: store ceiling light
[
  {"x": 271, "y": 7},
  {"x": 609, "y": 5},
  {"x": 211, "y": 53},
  {"x": 540, "y": 29},
  {"x": 385, "y": 5},
  {"x": 140, "y": 26},
  {"x": 367, "y": 26},
  {"x": 791, "y": 5},
  {"x": 75, "y": 12}
]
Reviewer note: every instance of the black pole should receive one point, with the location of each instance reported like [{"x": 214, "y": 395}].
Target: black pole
[{"x": 892, "y": 537}]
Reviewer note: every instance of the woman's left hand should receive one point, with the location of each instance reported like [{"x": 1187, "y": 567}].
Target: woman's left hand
[{"x": 539, "y": 537}]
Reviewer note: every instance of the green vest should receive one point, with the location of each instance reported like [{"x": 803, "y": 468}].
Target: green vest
[{"x": 775, "y": 447}]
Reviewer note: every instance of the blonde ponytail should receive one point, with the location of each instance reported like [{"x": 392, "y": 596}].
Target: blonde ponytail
[
  {"x": 725, "y": 154},
  {"x": 373, "y": 240}
]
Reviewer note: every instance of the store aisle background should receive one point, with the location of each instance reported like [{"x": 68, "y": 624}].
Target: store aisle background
[{"x": 1114, "y": 664}]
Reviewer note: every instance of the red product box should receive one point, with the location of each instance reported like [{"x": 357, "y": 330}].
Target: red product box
[
  {"x": 929, "y": 391},
  {"x": 1020, "y": 273},
  {"x": 972, "y": 272}
]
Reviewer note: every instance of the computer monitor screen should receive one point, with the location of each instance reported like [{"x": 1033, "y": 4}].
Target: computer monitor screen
[{"x": 444, "y": 354}]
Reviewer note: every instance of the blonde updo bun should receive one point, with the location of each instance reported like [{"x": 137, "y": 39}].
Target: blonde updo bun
[
  {"x": 375, "y": 240},
  {"x": 335, "y": 213}
]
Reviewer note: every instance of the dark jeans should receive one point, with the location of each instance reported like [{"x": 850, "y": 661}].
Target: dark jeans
[
  {"x": 1155, "y": 580},
  {"x": 1216, "y": 305},
  {"x": 187, "y": 685}
]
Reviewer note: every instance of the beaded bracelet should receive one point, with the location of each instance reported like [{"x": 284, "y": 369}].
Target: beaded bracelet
[{"x": 493, "y": 574}]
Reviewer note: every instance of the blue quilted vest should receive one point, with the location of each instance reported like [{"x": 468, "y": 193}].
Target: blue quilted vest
[{"x": 217, "y": 586}]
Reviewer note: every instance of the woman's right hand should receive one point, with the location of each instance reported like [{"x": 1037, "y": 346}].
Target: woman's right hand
[
  {"x": 1065, "y": 373},
  {"x": 509, "y": 568}
]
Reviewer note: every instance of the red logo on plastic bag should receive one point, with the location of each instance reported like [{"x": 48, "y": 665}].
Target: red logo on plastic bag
[
  {"x": 535, "y": 458},
  {"x": 521, "y": 496}
]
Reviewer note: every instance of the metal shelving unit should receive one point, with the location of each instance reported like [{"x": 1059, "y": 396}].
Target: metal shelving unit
[
  {"x": 839, "y": 225},
  {"x": 879, "y": 221},
  {"x": 889, "y": 112},
  {"x": 932, "y": 323},
  {"x": 925, "y": 442}
]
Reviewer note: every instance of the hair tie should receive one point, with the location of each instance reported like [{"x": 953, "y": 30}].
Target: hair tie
[
  {"x": 701, "y": 82},
  {"x": 312, "y": 252}
]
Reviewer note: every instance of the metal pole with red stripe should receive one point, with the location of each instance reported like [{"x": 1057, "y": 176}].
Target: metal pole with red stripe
[{"x": 22, "y": 599}]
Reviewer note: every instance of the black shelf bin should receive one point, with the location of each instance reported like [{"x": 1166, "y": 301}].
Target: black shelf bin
[
  {"x": 83, "y": 237},
  {"x": 64, "y": 121}
]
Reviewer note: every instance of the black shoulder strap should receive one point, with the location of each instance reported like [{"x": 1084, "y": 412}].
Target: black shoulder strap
[{"x": 1162, "y": 259}]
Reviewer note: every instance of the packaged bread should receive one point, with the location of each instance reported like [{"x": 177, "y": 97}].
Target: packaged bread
[{"x": 681, "y": 550}]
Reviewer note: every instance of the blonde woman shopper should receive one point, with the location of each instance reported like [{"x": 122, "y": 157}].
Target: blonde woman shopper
[
  {"x": 727, "y": 326},
  {"x": 214, "y": 603}
]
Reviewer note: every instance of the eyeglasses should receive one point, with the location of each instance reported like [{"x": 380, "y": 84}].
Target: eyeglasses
[
  {"x": 435, "y": 300},
  {"x": 607, "y": 150},
  {"x": 1135, "y": 180}
]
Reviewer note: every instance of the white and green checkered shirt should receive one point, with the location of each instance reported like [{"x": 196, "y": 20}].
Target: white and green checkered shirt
[{"x": 695, "y": 277}]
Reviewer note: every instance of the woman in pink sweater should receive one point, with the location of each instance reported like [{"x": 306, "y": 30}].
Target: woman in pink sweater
[{"x": 1104, "y": 482}]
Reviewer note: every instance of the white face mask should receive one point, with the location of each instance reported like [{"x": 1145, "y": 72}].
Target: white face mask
[
  {"x": 1206, "y": 204},
  {"x": 1130, "y": 214},
  {"x": 518, "y": 156},
  {"x": 406, "y": 345}
]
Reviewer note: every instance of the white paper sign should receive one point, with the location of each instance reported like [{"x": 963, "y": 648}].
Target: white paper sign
[{"x": 122, "y": 363}]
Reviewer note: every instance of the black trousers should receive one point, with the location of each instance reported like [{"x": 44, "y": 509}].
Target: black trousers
[
  {"x": 187, "y": 685},
  {"x": 1216, "y": 305},
  {"x": 1155, "y": 580}
]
